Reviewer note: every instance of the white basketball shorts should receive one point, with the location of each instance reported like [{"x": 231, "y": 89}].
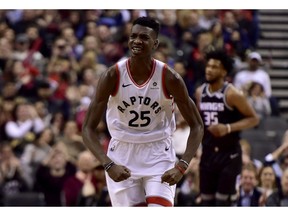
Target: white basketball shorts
[{"x": 147, "y": 162}]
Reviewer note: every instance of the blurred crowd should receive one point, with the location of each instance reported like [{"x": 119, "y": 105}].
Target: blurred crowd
[{"x": 50, "y": 63}]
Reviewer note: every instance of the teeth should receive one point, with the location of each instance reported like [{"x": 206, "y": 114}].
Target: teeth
[{"x": 136, "y": 49}]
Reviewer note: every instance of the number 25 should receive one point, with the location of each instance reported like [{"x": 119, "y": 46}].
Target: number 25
[{"x": 143, "y": 116}]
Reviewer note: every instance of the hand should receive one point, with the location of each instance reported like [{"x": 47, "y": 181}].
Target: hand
[
  {"x": 119, "y": 173},
  {"x": 26, "y": 78},
  {"x": 262, "y": 199},
  {"x": 218, "y": 130},
  {"x": 172, "y": 176}
]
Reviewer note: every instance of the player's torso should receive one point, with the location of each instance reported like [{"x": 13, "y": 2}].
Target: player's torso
[
  {"x": 140, "y": 110},
  {"x": 214, "y": 110},
  {"x": 213, "y": 106}
]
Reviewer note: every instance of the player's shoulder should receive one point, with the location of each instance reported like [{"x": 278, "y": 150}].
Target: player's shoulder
[
  {"x": 111, "y": 73},
  {"x": 233, "y": 91},
  {"x": 170, "y": 74},
  {"x": 200, "y": 88}
]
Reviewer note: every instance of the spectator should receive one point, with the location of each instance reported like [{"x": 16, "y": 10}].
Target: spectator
[
  {"x": 73, "y": 140},
  {"x": 57, "y": 123},
  {"x": 208, "y": 18},
  {"x": 25, "y": 78},
  {"x": 29, "y": 55},
  {"x": 278, "y": 159},
  {"x": 234, "y": 37},
  {"x": 89, "y": 61},
  {"x": 52, "y": 173},
  {"x": 267, "y": 183},
  {"x": 25, "y": 123},
  {"x": 12, "y": 179},
  {"x": 83, "y": 183},
  {"x": 280, "y": 197},
  {"x": 247, "y": 155},
  {"x": 249, "y": 195},
  {"x": 258, "y": 100},
  {"x": 6, "y": 50},
  {"x": 254, "y": 73},
  {"x": 6, "y": 108},
  {"x": 34, "y": 153}
]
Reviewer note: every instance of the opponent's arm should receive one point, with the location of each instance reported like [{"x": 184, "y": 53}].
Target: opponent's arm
[{"x": 237, "y": 99}]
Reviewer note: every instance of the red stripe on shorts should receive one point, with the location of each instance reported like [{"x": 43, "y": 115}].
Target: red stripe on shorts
[{"x": 159, "y": 201}]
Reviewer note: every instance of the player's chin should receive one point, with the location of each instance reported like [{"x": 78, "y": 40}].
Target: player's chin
[{"x": 209, "y": 79}]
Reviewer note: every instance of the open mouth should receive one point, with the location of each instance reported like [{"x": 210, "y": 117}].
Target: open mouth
[{"x": 136, "y": 50}]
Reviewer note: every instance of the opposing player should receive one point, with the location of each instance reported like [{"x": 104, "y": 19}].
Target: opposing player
[
  {"x": 225, "y": 112},
  {"x": 140, "y": 92}
]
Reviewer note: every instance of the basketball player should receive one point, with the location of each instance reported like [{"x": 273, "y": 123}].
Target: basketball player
[
  {"x": 225, "y": 112},
  {"x": 140, "y": 92}
]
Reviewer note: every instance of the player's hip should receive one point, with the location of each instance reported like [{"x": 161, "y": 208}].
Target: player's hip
[{"x": 143, "y": 158}]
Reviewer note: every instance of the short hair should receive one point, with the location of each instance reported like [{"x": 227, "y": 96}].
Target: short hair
[
  {"x": 223, "y": 57},
  {"x": 148, "y": 22},
  {"x": 250, "y": 167}
]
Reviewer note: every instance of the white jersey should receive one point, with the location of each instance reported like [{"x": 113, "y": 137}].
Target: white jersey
[{"x": 140, "y": 113}]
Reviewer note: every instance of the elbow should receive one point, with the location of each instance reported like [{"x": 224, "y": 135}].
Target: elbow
[
  {"x": 200, "y": 129},
  {"x": 256, "y": 121}
]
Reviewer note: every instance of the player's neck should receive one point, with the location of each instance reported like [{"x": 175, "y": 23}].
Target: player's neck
[
  {"x": 135, "y": 61},
  {"x": 141, "y": 65},
  {"x": 215, "y": 86}
]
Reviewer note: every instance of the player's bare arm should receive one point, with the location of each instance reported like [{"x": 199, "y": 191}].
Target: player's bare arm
[
  {"x": 176, "y": 87},
  {"x": 237, "y": 99},
  {"x": 198, "y": 96},
  {"x": 106, "y": 86}
]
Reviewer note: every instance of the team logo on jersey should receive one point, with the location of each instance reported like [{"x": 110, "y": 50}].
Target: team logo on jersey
[
  {"x": 155, "y": 85},
  {"x": 211, "y": 106}
]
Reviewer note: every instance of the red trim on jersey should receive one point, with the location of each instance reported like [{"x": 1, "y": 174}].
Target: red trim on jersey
[
  {"x": 151, "y": 74},
  {"x": 164, "y": 83},
  {"x": 159, "y": 200},
  {"x": 117, "y": 82}
]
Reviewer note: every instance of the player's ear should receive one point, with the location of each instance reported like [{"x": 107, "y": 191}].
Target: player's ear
[{"x": 156, "y": 43}]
